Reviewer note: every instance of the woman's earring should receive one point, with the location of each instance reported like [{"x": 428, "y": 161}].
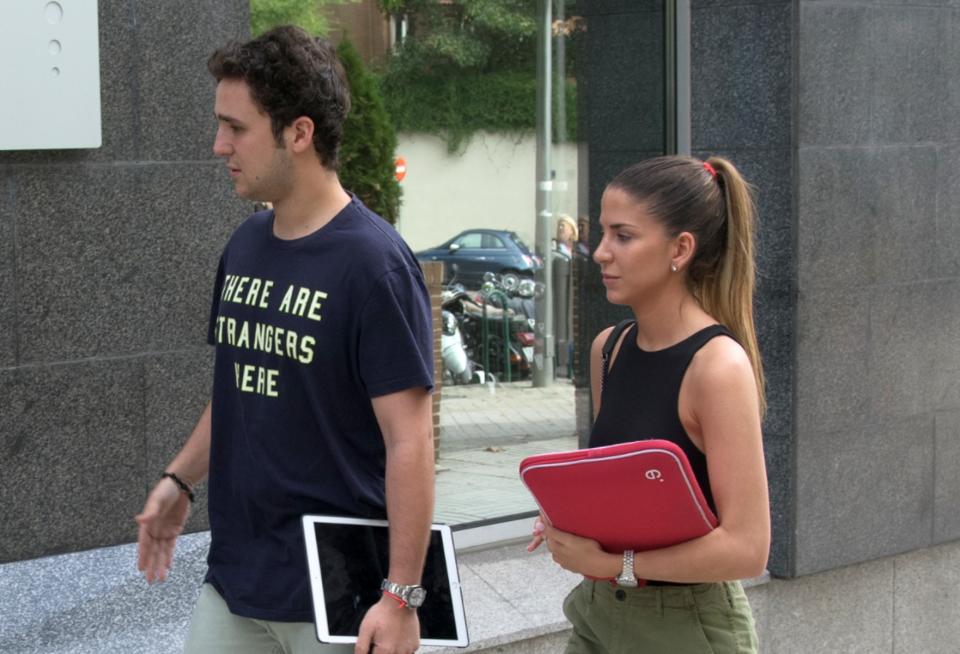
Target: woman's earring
[{"x": 673, "y": 267}]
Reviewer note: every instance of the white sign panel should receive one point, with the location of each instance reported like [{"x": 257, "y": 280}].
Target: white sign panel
[{"x": 49, "y": 75}]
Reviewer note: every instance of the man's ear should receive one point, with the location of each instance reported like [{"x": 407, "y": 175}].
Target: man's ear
[
  {"x": 684, "y": 246},
  {"x": 299, "y": 134}
]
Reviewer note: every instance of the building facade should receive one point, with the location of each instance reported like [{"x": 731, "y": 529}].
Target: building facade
[{"x": 842, "y": 114}]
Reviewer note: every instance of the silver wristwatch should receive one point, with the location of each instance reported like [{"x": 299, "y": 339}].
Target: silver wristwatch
[
  {"x": 412, "y": 596},
  {"x": 627, "y": 577}
]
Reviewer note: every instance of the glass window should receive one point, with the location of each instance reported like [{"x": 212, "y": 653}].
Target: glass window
[
  {"x": 493, "y": 242},
  {"x": 473, "y": 240},
  {"x": 490, "y": 111}
]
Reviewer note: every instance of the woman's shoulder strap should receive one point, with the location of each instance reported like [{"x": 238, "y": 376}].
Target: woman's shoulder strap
[{"x": 611, "y": 343}]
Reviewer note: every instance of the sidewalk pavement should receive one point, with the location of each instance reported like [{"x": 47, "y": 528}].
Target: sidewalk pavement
[
  {"x": 505, "y": 414},
  {"x": 484, "y": 436},
  {"x": 95, "y": 602}
]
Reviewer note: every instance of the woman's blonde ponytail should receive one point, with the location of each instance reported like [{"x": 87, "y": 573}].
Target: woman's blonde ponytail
[{"x": 728, "y": 296}]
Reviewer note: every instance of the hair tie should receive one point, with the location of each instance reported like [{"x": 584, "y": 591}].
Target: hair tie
[{"x": 710, "y": 169}]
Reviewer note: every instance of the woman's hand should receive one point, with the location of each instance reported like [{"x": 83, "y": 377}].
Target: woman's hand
[
  {"x": 538, "y": 537},
  {"x": 580, "y": 555}
]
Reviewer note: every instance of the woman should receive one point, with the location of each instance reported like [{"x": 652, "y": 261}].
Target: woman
[
  {"x": 677, "y": 249},
  {"x": 566, "y": 235}
]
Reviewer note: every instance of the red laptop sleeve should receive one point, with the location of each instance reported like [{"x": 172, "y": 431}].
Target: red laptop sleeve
[{"x": 641, "y": 495}]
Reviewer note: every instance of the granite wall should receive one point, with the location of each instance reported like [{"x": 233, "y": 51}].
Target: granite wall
[
  {"x": 741, "y": 81},
  {"x": 106, "y": 265},
  {"x": 877, "y": 384}
]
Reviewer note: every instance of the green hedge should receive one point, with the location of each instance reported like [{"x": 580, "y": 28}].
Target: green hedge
[{"x": 455, "y": 108}]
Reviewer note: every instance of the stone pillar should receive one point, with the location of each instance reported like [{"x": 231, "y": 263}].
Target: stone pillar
[
  {"x": 877, "y": 416},
  {"x": 742, "y": 84}
]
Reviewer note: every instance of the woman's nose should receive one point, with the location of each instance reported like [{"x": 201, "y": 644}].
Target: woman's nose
[{"x": 600, "y": 254}]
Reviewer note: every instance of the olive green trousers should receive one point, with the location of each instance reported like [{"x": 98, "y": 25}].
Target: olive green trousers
[{"x": 699, "y": 619}]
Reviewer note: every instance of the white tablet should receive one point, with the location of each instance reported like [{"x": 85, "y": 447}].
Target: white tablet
[{"x": 348, "y": 558}]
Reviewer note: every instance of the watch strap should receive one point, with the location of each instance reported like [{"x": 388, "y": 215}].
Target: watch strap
[
  {"x": 402, "y": 602},
  {"x": 627, "y": 576},
  {"x": 408, "y": 595}
]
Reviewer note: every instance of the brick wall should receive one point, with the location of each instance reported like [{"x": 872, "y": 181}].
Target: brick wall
[{"x": 433, "y": 275}]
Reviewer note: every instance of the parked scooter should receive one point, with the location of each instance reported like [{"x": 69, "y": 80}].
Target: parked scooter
[
  {"x": 483, "y": 329},
  {"x": 520, "y": 291},
  {"x": 515, "y": 339},
  {"x": 456, "y": 364},
  {"x": 465, "y": 327}
]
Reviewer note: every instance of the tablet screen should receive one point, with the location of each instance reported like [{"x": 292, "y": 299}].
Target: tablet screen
[{"x": 348, "y": 558}]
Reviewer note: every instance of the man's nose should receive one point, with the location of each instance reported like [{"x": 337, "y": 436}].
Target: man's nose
[{"x": 221, "y": 147}]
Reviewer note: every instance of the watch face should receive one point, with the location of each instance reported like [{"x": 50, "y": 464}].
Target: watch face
[{"x": 417, "y": 595}]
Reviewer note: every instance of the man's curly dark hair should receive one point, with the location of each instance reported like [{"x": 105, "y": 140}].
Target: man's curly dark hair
[{"x": 291, "y": 74}]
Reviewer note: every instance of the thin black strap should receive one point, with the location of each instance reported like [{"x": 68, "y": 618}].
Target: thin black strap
[
  {"x": 181, "y": 484},
  {"x": 609, "y": 345}
]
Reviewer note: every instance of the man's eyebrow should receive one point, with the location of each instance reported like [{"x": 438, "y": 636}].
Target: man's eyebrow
[{"x": 227, "y": 119}]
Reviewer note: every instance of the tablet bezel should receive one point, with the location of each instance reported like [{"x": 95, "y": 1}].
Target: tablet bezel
[{"x": 316, "y": 579}]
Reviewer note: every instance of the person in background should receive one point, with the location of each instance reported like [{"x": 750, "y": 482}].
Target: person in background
[
  {"x": 676, "y": 248},
  {"x": 566, "y": 235},
  {"x": 583, "y": 237},
  {"x": 568, "y": 248}
]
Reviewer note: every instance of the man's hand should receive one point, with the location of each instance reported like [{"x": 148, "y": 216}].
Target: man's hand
[
  {"x": 161, "y": 521},
  {"x": 388, "y": 628}
]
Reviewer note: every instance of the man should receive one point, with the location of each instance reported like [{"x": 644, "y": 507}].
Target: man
[{"x": 321, "y": 402}]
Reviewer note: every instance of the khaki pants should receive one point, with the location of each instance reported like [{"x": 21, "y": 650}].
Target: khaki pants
[
  {"x": 214, "y": 630},
  {"x": 700, "y": 619}
]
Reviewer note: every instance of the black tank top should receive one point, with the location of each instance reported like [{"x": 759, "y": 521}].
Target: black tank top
[{"x": 641, "y": 394}]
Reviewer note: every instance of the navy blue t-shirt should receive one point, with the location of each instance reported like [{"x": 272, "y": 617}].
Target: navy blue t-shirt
[{"x": 307, "y": 331}]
